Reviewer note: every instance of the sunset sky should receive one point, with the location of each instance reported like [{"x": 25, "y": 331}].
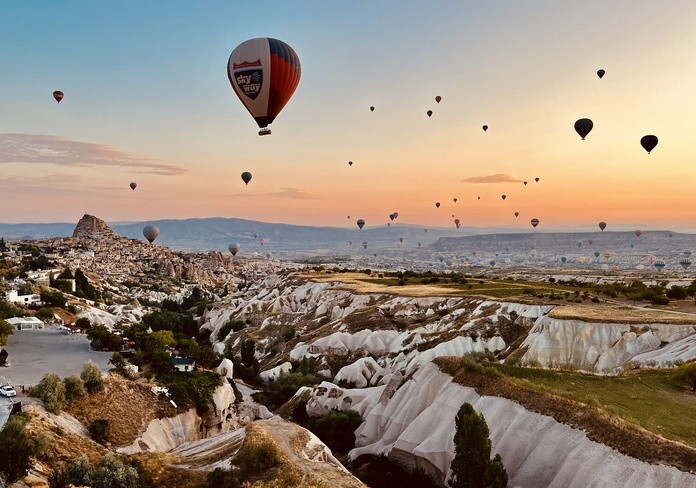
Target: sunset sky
[{"x": 147, "y": 99}]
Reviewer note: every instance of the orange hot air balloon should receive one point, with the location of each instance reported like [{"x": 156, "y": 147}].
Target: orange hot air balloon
[
  {"x": 264, "y": 73},
  {"x": 58, "y": 95}
]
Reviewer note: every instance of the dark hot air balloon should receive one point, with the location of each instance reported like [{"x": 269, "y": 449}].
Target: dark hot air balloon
[
  {"x": 517, "y": 214},
  {"x": 151, "y": 232},
  {"x": 361, "y": 223},
  {"x": 372, "y": 109},
  {"x": 583, "y": 127},
  {"x": 504, "y": 197},
  {"x": 485, "y": 128},
  {"x": 133, "y": 185},
  {"x": 438, "y": 98},
  {"x": 534, "y": 222},
  {"x": 264, "y": 73},
  {"x": 525, "y": 183},
  {"x": 58, "y": 95},
  {"x": 234, "y": 248},
  {"x": 602, "y": 225},
  {"x": 600, "y": 73},
  {"x": 429, "y": 112},
  {"x": 350, "y": 163},
  {"x": 365, "y": 245},
  {"x": 536, "y": 179},
  {"x": 638, "y": 233},
  {"x": 648, "y": 142},
  {"x": 437, "y": 204},
  {"x": 246, "y": 177}
]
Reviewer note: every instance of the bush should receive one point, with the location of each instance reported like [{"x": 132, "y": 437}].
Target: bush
[
  {"x": 337, "y": 429},
  {"x": 282, "y": 389},
  {"x": 99, "y": 430},
  {"x": 685, "y": 375},
  {"x": 74, "y": 388},
  {"x": 382, "y": 472},
  {"x": 16, "y": 449},
  {"x": 92, "y": 376},
  {"x": 51, "y": 391},
  {"x": 3, "y": 357}
]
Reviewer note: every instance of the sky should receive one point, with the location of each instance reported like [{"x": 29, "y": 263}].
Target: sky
[{"x": 147, "y": 100}]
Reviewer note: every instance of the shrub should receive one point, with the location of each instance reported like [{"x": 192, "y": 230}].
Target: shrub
[
  {"x": 337, "y": 429},
  {"x": 16, "y": 449},
  {"x": 51, "y": 391},
  {"x": 92, "y": 376},
  {"x": 99, "y": 430},
  {"x": 74, "y": 388},
  {"x": 685, "y": 375}
]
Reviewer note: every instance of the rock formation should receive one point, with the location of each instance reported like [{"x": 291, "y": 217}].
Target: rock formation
[{"x": 91, "y": 227}]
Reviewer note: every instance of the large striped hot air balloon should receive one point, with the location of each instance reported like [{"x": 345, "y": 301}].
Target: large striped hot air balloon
[
  {"x": 685, "y": 262},
  {"x": 264, "y": 73},
  {"x": 659, "y": 264}
]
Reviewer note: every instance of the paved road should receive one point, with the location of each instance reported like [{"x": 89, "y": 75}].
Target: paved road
[
  {"x": 33, "y": 353},
  {"x": 5, "y": 405}
]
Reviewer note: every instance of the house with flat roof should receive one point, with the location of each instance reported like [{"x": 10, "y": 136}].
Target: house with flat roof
[
  {"x": 15, "y": 297},
  {"x": 184, "y": 365},
  {"x": 25, "y": 323}
]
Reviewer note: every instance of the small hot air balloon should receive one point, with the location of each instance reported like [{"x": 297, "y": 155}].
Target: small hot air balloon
[
  {"x": 425, "y": 230},
  {"x": 391, "y": 216},
  {"x": 504, "y": 197},
  {"x": 685, "y": 262},
  {"x": 234, "y": 248},
  {"x": 419, "y": 244},
  {"x": 396, "y": 215},
  {"x": 437, "y": 204},
  {"x": 246, "y": 177},
  {"x": 151, "y": 232},
  {"x": 648, "y": 142},
  {"x": 632, "y": 245},
  {"x": 525, "y": 183},
  {"x": 264, "y": 73},
  {"x": 361, "y": 223},
  {"x": 255, "y": 235},
  {"x": 536, "y": 179},
  {"x": 485, "y": 128},
  {"x": 438, "y": 98},
  {"x": 583, "y": 127},
  {"x": 638, "y": 233},
  {"x": 659, "y": 264},
  {"x": 600, "y": 73},
  {"x": 429, "y": 112},
  {"x": 602, "y": 226},
  {"x": 492, "y": 263},
  {"x": 607, "y": 255},
  {"x": 401, "y": 239},
  {"x": 372, "y": 109},
  {"x": 133, "y": 185},
  {"x": 517, "y": 214},
  {"x": 58, "y": 95},
  {"x": 590, "y": 241},
  {"x": 262, "y": 241},
  {"x": 596, "y": 254},
  {"x": 535, "y": 222},
  {"x": 478, "y": 198},
  {"x": 533, "y": 245},
  {"x": 582, "y": 259},
  {"x": 651, "y": 259},
  {"x": 579, "y": 243},
  {"x": 687, "y": 254},
  {"x": 350, "y": 163},
  {"x": 349, "y": 216},
  {"x": 564, "y": 259},
  {"x": 364, "y": 244},
  {"x": 455, "y": 200}
]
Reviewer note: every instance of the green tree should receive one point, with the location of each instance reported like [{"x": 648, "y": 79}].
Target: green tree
[
  {"x": 51, "y": 390},
  {"x": 472, "y": 466},
  {"x": 117, "y": 360},
  {"x": 74, "y": 388},
  {"x": 45, "y": 314},
  {"x": 92, "y": 376},
  {"x": 685, "y": 374},
  {"x": 83, "y": 323},
  {"x": 6, "y": 330},
  {"x": 3, "y": 357},
  {"x": 16, "y": 449}
]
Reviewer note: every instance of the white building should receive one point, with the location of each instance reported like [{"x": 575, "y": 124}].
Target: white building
[
  {"x": 25, "y": 323},
  {"x": 42, "y": 274},
  {"x": 15, "y": 297}
]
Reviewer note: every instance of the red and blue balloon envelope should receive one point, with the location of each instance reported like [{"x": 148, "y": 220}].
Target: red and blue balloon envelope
[{"x": 264, "y": 73}]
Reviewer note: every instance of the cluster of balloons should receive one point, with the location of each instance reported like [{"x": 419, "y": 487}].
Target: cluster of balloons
[{"x": 584, "y": 126}]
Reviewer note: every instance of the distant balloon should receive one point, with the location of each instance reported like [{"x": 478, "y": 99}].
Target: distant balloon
[
  {"x": 600, "y": 73},
  {"x": 350, "y": 163},
  {"x": 579, "y": 243},
  {"x": 583, "y": 127},
  {"x": 479, "y": 198},
  {"x": 262, "y": 241},
  {"x": 264, "y": 73},
  {"x": 517, "y": 214},
  {"x": 685, "y": 262},
  {"x": 564, "y": 259},
  {"x": 596, "y": 254},
  {"x": 133, "y": 185},
  {"x": 504, "y": 197},
  {"x": 437, "y": 204},
  {"x": 602, "y": 225},
  {"x": 361, "y": 223},
  {"x": 659, "y": 264},
  {"x": 255, "y": 235},
  {"x": 429, "y": 112},
  {"x": 151, "y": 232},
  {"x": 350, "y": 243},
  {"x": 438, "y": 98},
  {"x": 246, "y": 177},
  {"x": 388, "y": 224},
  {"x": 401, "y": 239},
  {"x": 638, "y": 233},
  {"x": 349, "y": 216},
  {"x": 365, "y": 245},
  {"x": 525, "y": 183},
  {"x": 396, "y": 215},
  {"x": 455, "y": 200},
  {"x": 651, "y": 259},
  {"x": 632, "y": 245},
  {"x": 391, "y": 217},
  {"x": 607, "y": 255},
  {"x": 491, "y": 262},
  {"x": 485, "y": 128},
  {"x": 372, "y": 109},
  {"x": 419, "y": 244},
  {"x": 536, "y": 179},
  {"x": 535, "y": 222},
  {"x": 590, "y": 241},
  {"x": 533, "y": 245},
  {"x": 687, "y": 254},
  {"x": 582, "y": 259},
  {"x": 58, "y": 95},
  {"x": 648, "y": 143},
  {"x": 234, "y": 248},
  {"x": 425, "y": 230}
]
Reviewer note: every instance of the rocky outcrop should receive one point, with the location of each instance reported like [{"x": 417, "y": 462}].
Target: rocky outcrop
[{"x": 91, "y": 227}]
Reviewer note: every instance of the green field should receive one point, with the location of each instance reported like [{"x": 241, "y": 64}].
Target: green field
[{"x": 644, "y": 398}]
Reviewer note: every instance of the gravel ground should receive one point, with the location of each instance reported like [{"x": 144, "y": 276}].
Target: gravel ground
[{"x": 33, "y": 353}]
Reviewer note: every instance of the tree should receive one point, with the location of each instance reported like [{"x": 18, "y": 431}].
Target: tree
[
  {"x": 16, "y": 449},
  {"x": 6, "y": 330},
  {"x": 45, "y": 314},
  {"x": 117, "y": 360},
  {"x": 74, "y": 388},
  {"x": 3, "y": 357},
  {"x": 686, "y": 373},
  {"x": 83, "y": 323},
  {"x": 51, "y": 390},
  {"x": 92, "y": 376},
  {"x": 472, "y": 466},
  {"x": 248, "y": 352}
]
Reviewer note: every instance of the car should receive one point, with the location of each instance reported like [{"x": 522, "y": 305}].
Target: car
[{"x": 7, "y": 390}]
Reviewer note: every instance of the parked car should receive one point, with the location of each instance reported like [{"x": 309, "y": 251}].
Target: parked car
[{"x": 7, "y": 390}]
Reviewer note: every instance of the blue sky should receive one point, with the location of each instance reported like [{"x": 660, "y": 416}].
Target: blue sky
[{"x": 147, "y": 99}]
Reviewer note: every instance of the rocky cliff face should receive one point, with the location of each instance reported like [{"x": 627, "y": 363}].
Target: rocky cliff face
[{"x": 91, "y": 227}]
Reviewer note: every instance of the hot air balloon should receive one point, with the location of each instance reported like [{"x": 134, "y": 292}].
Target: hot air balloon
[
  {"x": 632, "y": 245},
  {"x": 372, "y": 109},
  {"x": 564, "y": 259},
  {"x": 349, "y": 216},
  {"x": 364, "y": 244},
  {"x": 602, "y": 226},
  {"x": 659, "y": 264},
  {"x": 396, "y": 215},
  {"x": 596, "y": 254},
  {"x": 590, "y": 241},
  {"x": 255, "y": 235},
  {"x": 401, "y": 239},
  {"x": 350, "y": 243},
  {"x": 246, "y": 177},
  {"x": 429, "y": 112},
  {"x": 535, "y": 222},
  {"x": 492, "y": 263},
  {"x": 133, "y": 185},
  {"x": 638, "y": 233},
  {"x": 651, "y": 259},
  {"x": 485, "y": 128},
  {"x": 600, "y": 73},
  {"x": 583, "y": 127},
  {"x": 438, "y": 98},
  {"x": 361, "y": 223},
  {"x": 437, "y": 204},
  {"x": 536, "y": 179},
  {"x": 151, "y": 232},
  {"x": 264, "y": 73},
  {"x": 685, "y": 262},
  {"x": 479, "y": 198},
  {"x": 517, "y": 214},
  {"x": 234, "y": 248},
  {"x": 455, "y": 200},
  {"x": 579, "y": 243},
  {"x": 58, "y": 95},
  {"x": 525, "y": 183},
  {"x": 391, "y": 217},
  {"x": 388, "y": 224},
  {"x": 648, "y": 142},
  {"x": 607, "y": 255},
  {"x": 350, "y": 163},
  {"x": 425, "y": 230},
  {"x": 533, "y": 245},
  {"x": 457, "y": 223},
  {"x": 582, "y": 259},
  {"x": 504, "y": 197},
  {"x": 262, "y": 241},
  {"x": 687, "y": 254}
]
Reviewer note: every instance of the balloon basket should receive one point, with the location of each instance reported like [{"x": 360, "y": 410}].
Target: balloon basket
[{"x": 265, "y": 131}]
